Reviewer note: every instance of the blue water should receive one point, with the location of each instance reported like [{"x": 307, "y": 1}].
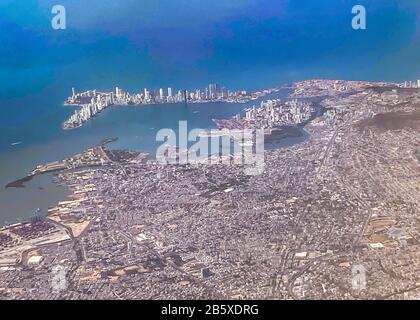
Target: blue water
[{"x": 243, "y": 44}]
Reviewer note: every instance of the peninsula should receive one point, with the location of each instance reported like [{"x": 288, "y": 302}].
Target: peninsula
[{"x": 92, "y": 102}]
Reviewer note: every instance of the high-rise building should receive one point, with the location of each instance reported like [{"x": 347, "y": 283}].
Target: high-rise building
[
  {"x": 418, "y": 83},
  {"x": 212, "y": 91},
  {"x": 73, "y": 92},
  {"x": 161, "y": 94},
  {"x": 224, "y": 92},
  {"x": 117, "y": 92},
  {"x": 197, "y": 94},
  {"x": 170, "y": 92},
  {"x": 215, "y": 90}
]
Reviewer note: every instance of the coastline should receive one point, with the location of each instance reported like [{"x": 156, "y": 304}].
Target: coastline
[
  {"x": 93, "y": 102},
  {"x": 61, "y": 165},
  {"x": 55, "y": 166}
]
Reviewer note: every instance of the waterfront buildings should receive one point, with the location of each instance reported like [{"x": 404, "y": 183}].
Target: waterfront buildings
[
  {"x": 271, "y": 114},
  {"x": 411, "y": 84},
  {"x": 93, "y": 102}
]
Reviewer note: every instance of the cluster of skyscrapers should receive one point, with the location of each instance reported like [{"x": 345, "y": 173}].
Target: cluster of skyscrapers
[
  {"x": 212, "y": 92},
  {"x": 411, "y": 84},
  {"x": 92, "y": 102},
  {"x": 274, "y": 113}
]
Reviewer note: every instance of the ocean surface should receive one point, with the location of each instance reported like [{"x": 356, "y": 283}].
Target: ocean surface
[{"x": 242, "y": 44}]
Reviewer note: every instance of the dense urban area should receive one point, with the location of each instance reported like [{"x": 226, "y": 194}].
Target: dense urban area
[
  {"x": 93, "y": 102},
  {"x": 335, "y": 217}
]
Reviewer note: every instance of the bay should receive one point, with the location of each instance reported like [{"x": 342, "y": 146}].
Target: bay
[{"x": 134, "y": 126}]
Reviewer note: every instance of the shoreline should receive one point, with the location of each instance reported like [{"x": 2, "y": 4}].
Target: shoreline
[
  {"x": 93, "y": 102},
  {"x": 55, "y": 166}
]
